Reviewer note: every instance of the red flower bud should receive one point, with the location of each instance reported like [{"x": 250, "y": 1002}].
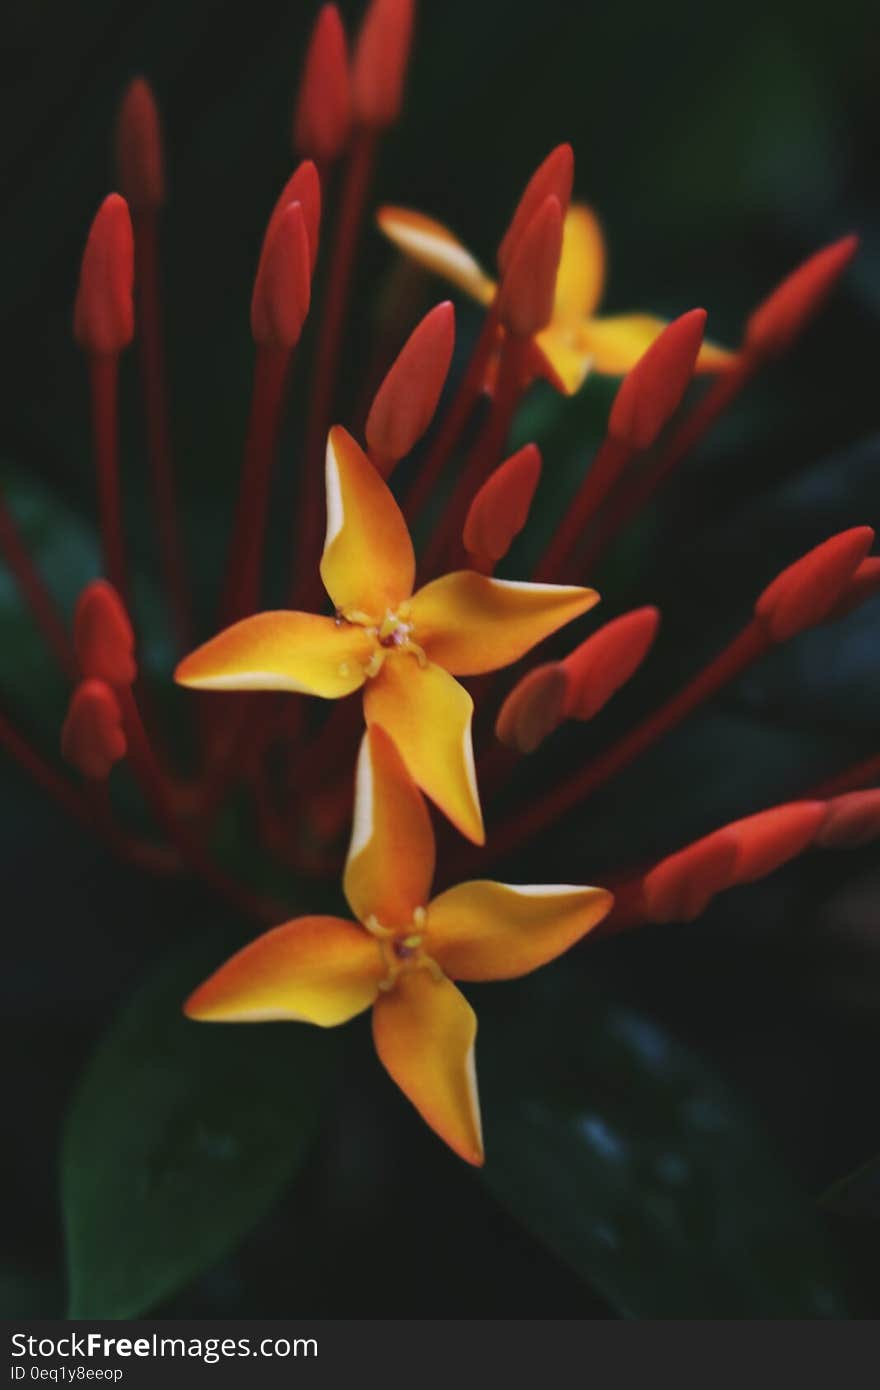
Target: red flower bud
[
  {"x": 651, "y": 391},
  {"x": 280, "y": 301},
  {"x": 322, "y": 121},
  {"x": 768, "y": 840},
  {"x": 788, "y": 308},
  {"x": 303, "y": 187},
  {"x": 499, "y": 511},
  {"x": 864, "y": 584},
  {"x": 808, "y": 591},
  {"x": 404, "y": 405},
  {"x": 532, "y": 710},
  {"x": 525, "y": 299},
  {"x": 139, "y": 159},
  {"x": 103, "y": 315},
  {"x": 92, "y": 738},
  {"x": 681, "y": 887},
  {"x": 851, "y": 821},
  {"x": 597, "y": 669},
  {"x": 103, "y": 635},
  {"x": 552, "y": 179},
  {"x": 380, "y": 61}
]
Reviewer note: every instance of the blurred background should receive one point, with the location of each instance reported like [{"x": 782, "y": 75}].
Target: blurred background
[{"x": 667, "y": 1149}]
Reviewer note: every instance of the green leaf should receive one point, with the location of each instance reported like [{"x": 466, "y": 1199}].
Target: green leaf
[
  {"x": 633, "y": 1163},
  {"x": 179, "y": 1138}
]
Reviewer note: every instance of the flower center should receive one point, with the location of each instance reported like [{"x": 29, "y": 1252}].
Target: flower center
[
  {"x": 392, "y": 633},
  {"x": 403, "y": 948}
]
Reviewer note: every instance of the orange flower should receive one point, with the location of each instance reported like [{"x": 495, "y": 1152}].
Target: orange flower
[
  {"x": 575, "y": 341},
  {"x": 404, "y": 648},
  {"x": 404, "y": 951}
]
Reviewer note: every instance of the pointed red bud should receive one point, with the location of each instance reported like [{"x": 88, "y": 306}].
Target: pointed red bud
[
  {"x": 103, "y": 315},
  {"x": 768, "y": 840},
  {"x": 501, "y": 507},
  {"x": 405, "y": 403},
  {"x": 525, "y": 299},
  {"x": 785, "y": 312},
  {"x": 552, "y": 179},
  {"x": 103, "y": 635},
  {"x": 92, "y": 738},
  {"x": 380, "y": 61},
  {"x": 139, "y": 158},
  {"x": 851, "y": 821},
  {"x": 808, "y": 591},
  {"x": 322, "y": 121},
  {"x": 681, "y": 887},
  {"x": 597, "y": 669},
  {"x": 303, "y": 187},
  {"x": 532, "y": 710},
  {"x": 652, "y": 390},
  {"x": 280, "y": 301},
  {"x": 864, "y": 584}
]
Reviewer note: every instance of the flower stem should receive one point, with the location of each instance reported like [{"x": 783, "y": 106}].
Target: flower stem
[
  {"x": 104, "y": 382},
  {"x": 356, "y": 185},
  {"x": 693, "y": 428},
  {"x": 483, "y": 457},
  {"x": 454, "y": 421},
  {"x": 159, "y": 796},
  {"x": 518, "y": 827},
  {"x": 88, "y": 806},
  {"x": 30, "y": 582},
  {"x": 608, "y": 465},
  {"x": 860, "y": 774},
  {"x": 153, "y": 379},
  {"x": 244, "y": 567}
]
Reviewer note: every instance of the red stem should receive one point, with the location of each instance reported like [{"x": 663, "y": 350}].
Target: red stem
[
  {"x": 58, "y": 788},
  {"x": 609, "y": 463},
  {"x": 87, "y": 806},
  {"x": 153, "y": 381},
  {"x": 244, "y": 568},
  {"x": 853, "y": 778},
  {"x": 358, "y": 174},
  {"x": 751, "y": 644},
  {"x": 41, "y": 603},
  {"x": 693, "y": 428},
  {"x": 483, "y": 457},
  {"x": 461, "y": 407},
  {"x": 160, "y": 798},
  {"x": 104, "y": 381}
]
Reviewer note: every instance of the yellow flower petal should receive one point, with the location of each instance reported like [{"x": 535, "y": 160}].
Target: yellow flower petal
[
  {"x": 565, "y": 358},
  {"x": 470, "y": 623},
  {"x": 424, "y": 1032},
  {"x": 390, "y": 863},
  {"x": 368, "y": 564},
  {"x": 617, "y": 343},
  {"x": 496, "y": 931},
  {"x": 428, "y": 715},
  {"x": 434, "y": 246},
  {"x": 320, "y": 970},
  {"x": 581, "y": 276},
  {"x": 281, "y": 651}
]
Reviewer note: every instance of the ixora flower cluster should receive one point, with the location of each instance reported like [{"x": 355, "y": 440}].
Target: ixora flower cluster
[{"x": 400, "y": 634}]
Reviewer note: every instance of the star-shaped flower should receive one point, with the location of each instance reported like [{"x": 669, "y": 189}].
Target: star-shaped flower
[
  {"x": 404, "y": 648},
  {"x": 575, "y": 341},
  {"x": 404, "y": 951}
]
